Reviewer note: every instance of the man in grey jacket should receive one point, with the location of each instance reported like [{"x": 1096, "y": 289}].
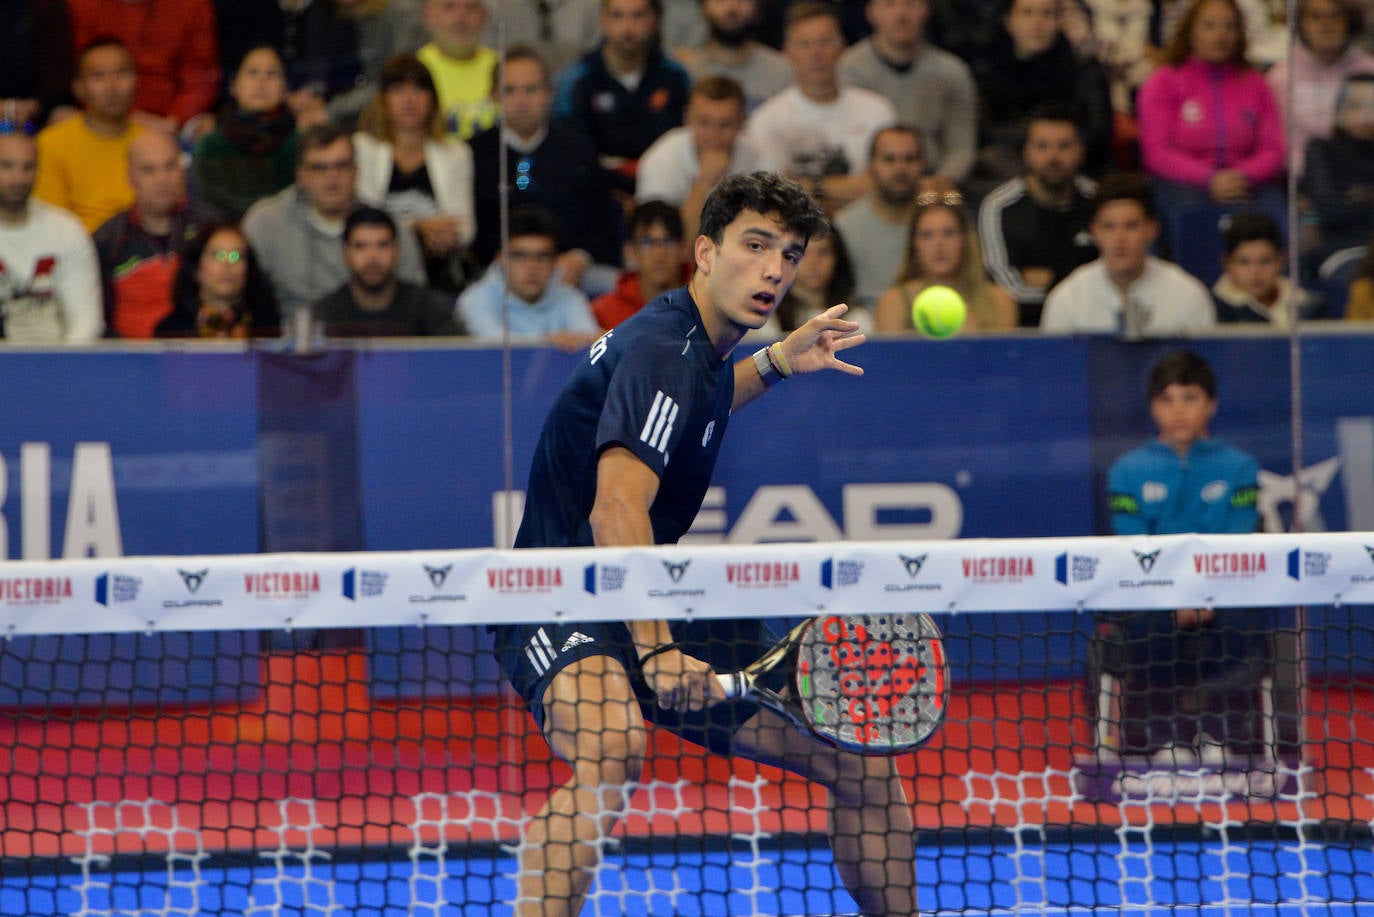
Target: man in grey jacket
[{"x": 296, "y": 234}]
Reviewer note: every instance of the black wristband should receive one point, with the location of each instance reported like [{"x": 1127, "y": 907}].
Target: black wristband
[{"x": 658, "y": 650}]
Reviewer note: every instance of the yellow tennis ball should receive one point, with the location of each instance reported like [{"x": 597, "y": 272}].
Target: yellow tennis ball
[{"x": 938, "y": 311}]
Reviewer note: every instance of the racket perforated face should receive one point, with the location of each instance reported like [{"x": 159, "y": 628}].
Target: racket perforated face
[{"x": 875, "y": 684}]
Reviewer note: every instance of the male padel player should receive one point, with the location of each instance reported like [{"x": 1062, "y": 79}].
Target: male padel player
[{"x": 624, "y": 459}]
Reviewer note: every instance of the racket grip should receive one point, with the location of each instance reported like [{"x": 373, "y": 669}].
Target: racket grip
[{"x": 735, "y": 684}]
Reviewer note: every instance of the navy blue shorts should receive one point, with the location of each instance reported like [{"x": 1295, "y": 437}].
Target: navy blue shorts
[{"x": 531, "y": 655}]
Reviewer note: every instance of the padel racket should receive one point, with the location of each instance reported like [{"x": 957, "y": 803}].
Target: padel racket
[{"x": 873, "y": 684}]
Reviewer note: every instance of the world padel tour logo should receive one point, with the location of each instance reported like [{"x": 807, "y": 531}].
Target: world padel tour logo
[
  {"x": 837, "y": 573},
  {"x": 192, "y": 580},
  {"x": 35, "y": 590},
  {"x": 1075, "y": 568},
  {"x": 598, "y": 578},
  {"x": 763, "y": 574},
  {"x": 363, "y": 584},
  {"x": 281, "y": 584},
  {"x": 438, "y": 579},
  {"x": 1005, "y": 569},
  {"x": 1230, "y": 564},
  {"x": 1307, "y": 564},
  {"x": 508, "y": 580},
  {"x": 676, "y": 572},
  {"x": 112, "y": 588},
  {"x": 1146, "y": 560},
  {"x": 913, "y": 567}
]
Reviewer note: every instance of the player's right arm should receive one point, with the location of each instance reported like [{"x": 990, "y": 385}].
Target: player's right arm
[{"x": 625, "y": 489}]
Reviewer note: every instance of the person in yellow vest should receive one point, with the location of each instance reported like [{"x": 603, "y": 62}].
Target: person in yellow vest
[
  {"x": 83, "y": 160},
  {"x": 463, "y": 68}
]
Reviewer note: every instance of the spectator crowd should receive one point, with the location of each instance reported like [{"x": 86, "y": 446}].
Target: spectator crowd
[{"x": 230, "y": 168}]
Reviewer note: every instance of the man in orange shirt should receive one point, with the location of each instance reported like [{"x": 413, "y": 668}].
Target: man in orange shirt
[{"x": 654, "y": 253}]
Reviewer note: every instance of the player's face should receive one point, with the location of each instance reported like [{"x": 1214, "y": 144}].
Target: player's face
[
  {"x": 1215, "y": 33},
  {"x": 325, "y": 177},
  {"x": 370, "y": 254},
  {"x": 1033, "y": 25},
  {"x": 155, "y": 172},
  {"x": 629, "y": 26},
  {"x": 817, "y": 265},
  {"x": 106, "y": 82},
  {"x": 658, "y": 254},
  {"x": 901, "y": 22},
  {"x": 715, "y": 123},
  {"x": 1182, "y": 413},
  {"x": 938, "y": 243},
  {"x": 260, "y": 83},
  {"x": 18, "y": 165},
  {"x": 750, "y": 271},
  {"x": 813, "y": 48},
  {"x": 409, "y": 106},
  {"x": 1254, "y": 267},
  {"x": 223, "y": 267},
  {"x": 1123, "y": 234},
  {"x": 897, "y": 166},
  {"x": 1324, "y": 27},
  {"x": 527, "y": 97},
  {"x": 1053, "y": 151},
  {"x": 530, "y": 264},
  {"x": 455, "y": 25}
]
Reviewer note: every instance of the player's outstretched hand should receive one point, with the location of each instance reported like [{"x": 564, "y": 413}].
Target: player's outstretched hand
[
  {"x": 814, "y": 346},
  {"x": 682, "y": 682}
]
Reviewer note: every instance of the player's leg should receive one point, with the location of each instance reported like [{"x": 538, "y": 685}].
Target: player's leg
[{"x": 871, "y": 830}]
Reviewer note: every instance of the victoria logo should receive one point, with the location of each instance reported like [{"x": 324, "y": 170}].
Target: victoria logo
[
  {"x": 193, "y": 579},
  {"x": 438, "y": 575},
  {"x": 1146, "y": 560},
  {"x": 676, "y": 571}
]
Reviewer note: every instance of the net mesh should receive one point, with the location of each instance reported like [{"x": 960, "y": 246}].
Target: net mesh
[{"x": 1090, "y": 762}]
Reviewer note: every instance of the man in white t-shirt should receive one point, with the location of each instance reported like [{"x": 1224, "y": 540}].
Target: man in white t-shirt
[
  {"x": 820, "y": 130},
  {"x": 684, "y": 164},
  {"x": 1127, "y": 290},
  {"x": 49, "y": 275}
]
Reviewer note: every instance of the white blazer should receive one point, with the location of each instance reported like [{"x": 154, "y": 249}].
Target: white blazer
[{"x": 449, "y": 163}]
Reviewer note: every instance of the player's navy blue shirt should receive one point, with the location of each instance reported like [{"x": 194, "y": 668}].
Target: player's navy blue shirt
[{"x": 654, "y": 385}]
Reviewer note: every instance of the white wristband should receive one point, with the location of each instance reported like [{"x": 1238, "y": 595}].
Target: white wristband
[{"x": 767, "y": 371}]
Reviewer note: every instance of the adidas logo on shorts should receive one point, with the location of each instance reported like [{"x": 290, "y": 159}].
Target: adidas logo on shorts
[{"x": 577, "y": 639}]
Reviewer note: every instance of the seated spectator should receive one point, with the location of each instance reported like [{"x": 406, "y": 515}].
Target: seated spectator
[
  {"x": 825, "y": 277},
  {"x": 49, "y": 276},
  {"x": 295, "y": 233},
  {"x": 139, "y": 248},
  {"x": 384, "y": 29},
  {"x": 35, "y": 62},
  {"x": 1252, "y": 287},
  {"x": 172, "y": 43},
  {"x": 820, "y": 128},
  {"x": 559, "y": 33},
  {"x": 731, "y": 51},
  {"x": 374, "y": 303},
  {"x": 1359, "y": 304},
  {"x": 408, "y": 165},
  {"x": 1210, "y": 131},
  {"x": 1325, "y": 55},
  {"x": 251, "y": 152},
  {"x": 625, "y": 94},
  {"x": 548, "y": 164},
  {"x": 524, "y": 287},
  {"x": 655, "y": 263},
  {"x": 1124, "y": 38},
  {"x": 463, "y": 68},
  {"x": 943, "y": 249},
  {"x": 1339, "y": 182},
  {"x": 219, "y": 291},
  {"x": 1126, "y": 290},
  {"x": 1034, "y": 229},
  {"x": 929, "y": 88},
  {"x": 83, "y": 161},
  {"x": 683, "y": 165},
  {"x": 1030, "y": 63},
  {"x": 875, "y": 226}
]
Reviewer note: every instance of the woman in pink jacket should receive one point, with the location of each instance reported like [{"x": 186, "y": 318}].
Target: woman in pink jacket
[{"x": 1210, "y": 128}]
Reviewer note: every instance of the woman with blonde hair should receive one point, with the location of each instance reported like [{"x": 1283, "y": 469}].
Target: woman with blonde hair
[
  {"x": 943, "y": 249},
  {"x": 408, "y": 166}
]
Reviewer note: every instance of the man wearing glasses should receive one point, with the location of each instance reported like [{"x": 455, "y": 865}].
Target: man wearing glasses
[{"x": 297, "y": 233}]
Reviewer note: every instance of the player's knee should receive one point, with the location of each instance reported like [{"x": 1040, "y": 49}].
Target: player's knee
[
  {"x": 861, "y": 779},
  {"x": 611, "y": 757}
]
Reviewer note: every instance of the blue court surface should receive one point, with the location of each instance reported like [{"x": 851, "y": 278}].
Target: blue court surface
[{"x": 1202, "y": 879}]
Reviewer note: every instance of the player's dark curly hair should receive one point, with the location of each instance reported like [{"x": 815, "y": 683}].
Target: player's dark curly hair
[{"x": 767, "y": 193}]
